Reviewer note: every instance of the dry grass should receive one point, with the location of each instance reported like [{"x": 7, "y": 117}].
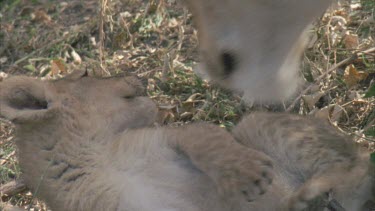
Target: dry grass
[{"x": 156, "y": 40}]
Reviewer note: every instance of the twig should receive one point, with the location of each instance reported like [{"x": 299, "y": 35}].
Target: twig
[
  {"x": 4, "y": 160},
  {"x": 103, "y": 6},
  {"x": 343, "y": 62},
  {"x": 148, "y": 5},
  {"x": 166, "y": 68},
  {"x": 369, "y": 125}
]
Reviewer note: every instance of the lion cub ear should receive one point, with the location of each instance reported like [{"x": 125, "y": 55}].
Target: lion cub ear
[{"x": 22, "y": 100}]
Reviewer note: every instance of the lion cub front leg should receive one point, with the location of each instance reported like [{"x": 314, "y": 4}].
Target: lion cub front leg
[{"x": 235, "y": 169}]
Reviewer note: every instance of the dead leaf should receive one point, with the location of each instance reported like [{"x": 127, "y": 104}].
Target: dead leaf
[
  {"x": 336, "y": 113},
  {"x": 335, "y": 38},
  {"x": 3, "y": 59},
  {"x": 338, "y": 20},
  {"x": 165, "y": 116},
  {"x": 3, "y": 76},
  {"x": 352, "y": 76},
  {"x": 173, "y": 23},
  {"x": 76, "y": 57},
  {"x": 360, "y": 101},
  {"x": 193, "y": 97},
  {"x": 312, "y": 41},
  {"x": 41, "y": 16},
  {"x": 186, "y": 115},
  {"x": 353, "y": 95},
  {"x": 167, "y": 107},
  {"x": 57, "y": 67},
  {"x": 351, "y": 41},
  {"x": 7, "y": 27},
  {"x": 311, "y": 100},
  {"x": 356, "y": 6},
  {"x": 342, "y": 13},
  {"x": 6, "y": 158},
  {"x": 321, "y": 113},
  {"x": 315, "y": 88}
]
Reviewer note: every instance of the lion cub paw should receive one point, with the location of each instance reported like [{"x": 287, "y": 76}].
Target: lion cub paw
[{"x": 247, "y": 173}]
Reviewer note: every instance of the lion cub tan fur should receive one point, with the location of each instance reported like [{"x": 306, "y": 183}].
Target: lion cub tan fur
[
  {"x": 88, "y": 144},
  {"x": 91, "y": 142}
]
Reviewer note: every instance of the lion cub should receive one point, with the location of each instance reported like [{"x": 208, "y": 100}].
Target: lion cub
[{"x": 87, "y": 144}]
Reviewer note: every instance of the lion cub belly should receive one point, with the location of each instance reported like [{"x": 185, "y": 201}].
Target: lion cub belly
[{"x": 154, "y": 177}]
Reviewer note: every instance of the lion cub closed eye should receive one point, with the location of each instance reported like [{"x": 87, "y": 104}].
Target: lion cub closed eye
[{"x": 92, "y": 142}]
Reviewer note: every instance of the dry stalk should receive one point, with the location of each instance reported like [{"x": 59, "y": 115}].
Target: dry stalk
[
  {"x": 102, "y": 14},
  {"x": 343, "y": 62}
]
